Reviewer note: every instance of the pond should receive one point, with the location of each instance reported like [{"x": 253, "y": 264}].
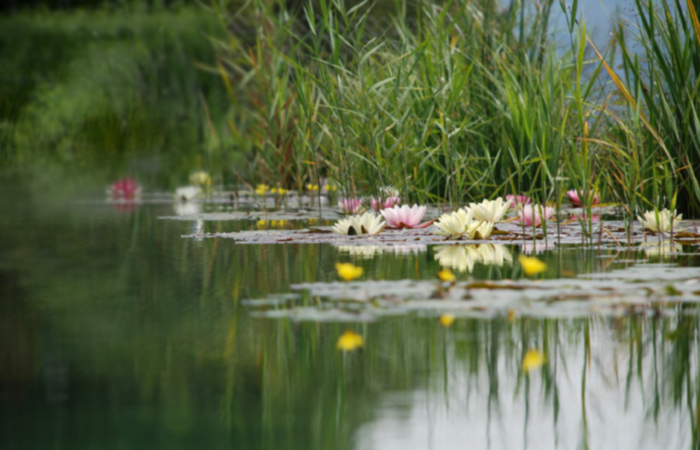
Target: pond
[{"x": 124, "y": 329}]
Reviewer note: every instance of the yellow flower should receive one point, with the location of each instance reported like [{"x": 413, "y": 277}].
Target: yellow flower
[
  {"x": 261, "y": 224},
  {"x": 531, "y": 265},
  {"x": 446, "y": 320},
  {"x": 279, "y": 191},
  {"x": 330, "y": 188},
  {"x": 348, "y": 271},
  {"x": 446, "y": 275},
  {"x": 201, "y": 179},
  {"x": 350, "y": 341},
  {"x": 262, "y": 189},
  {"x": 534, "y": 359},
  {"x": 312, "y": 187}
]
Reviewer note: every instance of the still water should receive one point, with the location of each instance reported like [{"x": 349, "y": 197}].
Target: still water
[{"x": 119, "y": 333}]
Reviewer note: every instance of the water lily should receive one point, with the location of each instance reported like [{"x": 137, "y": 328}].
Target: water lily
[
  {"x": 479, "y": 229},
  {"x": 534, "y": 359},
  {"x": 201, "y": 179},
  {"x": 490, "y": 210},
  {"x": 405, "y": 216},
  {"x": 518, "y": 200},
  {"x": 350, "y": 341},
  {"x": 348, "y": 271},
  {"x": 454, "y": 224},
  {"x": 389, "y": 202},
  {"x": 351, "y": 206},
  {"x": 367, "y": 223},
  {"x": 534, "y": 215},
  {"x": 662, "y": 220},
  {"x": 187, "y": 193},
  {"x": 124, "y": 189},
  {"x": 531, "y": 265},
  {"x": 576, "y": 199}
]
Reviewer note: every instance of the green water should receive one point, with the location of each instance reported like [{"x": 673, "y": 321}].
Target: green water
[{"x": 118, "y": 333}]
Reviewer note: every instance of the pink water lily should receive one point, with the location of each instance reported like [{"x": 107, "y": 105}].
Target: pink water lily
[
  {"x": 533, "y": 215},
  {"x": 516, "y": 201},
  {"x": 125, "y": 189},
  {"x": 351, "y": 206},
  {"x": 405, "y": 216},
  {"x": 378, "y": 204},
  {"x": 576, "y": 199}
]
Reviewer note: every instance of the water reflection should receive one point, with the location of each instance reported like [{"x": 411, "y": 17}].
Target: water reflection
[
  {"x": 117, "y": 330},
  {"x": 463, "y": 257},
  {"x": 661, "y": 249},
  {"x": 370, "y": 251}
]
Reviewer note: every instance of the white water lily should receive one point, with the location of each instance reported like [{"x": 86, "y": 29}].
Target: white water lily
[
  {"x": 662, "y": 220},
  {"x": 479, "y": 230},
  {"x": 187, "y": 193},
  {"x": 490, "y": 210},
  {"x": 367, "y": 223},
  {"x": 454, "y": 224}
]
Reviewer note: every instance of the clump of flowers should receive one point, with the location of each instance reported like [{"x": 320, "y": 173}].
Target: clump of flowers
[
  {"x": 351, "y": 206},
  {"x": 388, "y": 198},
  {"x": 576, "y": 198},
  {"x": 663, "y": 220},
  {"x": 201, "y": 179},
  {"x": 367, "y": 223},
  {"x": 404, "y": 216},
  {"x": 454, "y": 224},
  {"x": 534, "y": 215},
  {"x": 262, "y": 189},
  {"x": 461, "y": 223},
  {"x": 187, "y": 193},
  {"x": 279, "y": 191},
  {"x": 490, "y": 210},
  {"x": 124, "y": 189},
  {"x": 519, "y": 200}
]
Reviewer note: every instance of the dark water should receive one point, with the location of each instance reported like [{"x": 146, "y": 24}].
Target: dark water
[{"x": 118, "y": 333}]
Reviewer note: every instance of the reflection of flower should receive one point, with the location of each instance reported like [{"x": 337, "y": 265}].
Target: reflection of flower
[
  {"x": 350, "y": 341},
  {"x": 276, "y": 223},
  {"x": 490, "y": 210},
  {"x": 124, "y": 189},
  {"x": 538, "y": 247},
  {"x": 463, "y": 257},
  {"x": 351, "y": 206},
  {"x": 446, "y": 320},
  {"x": 516, "y": 201},
  {"x": 662, "y": 220},
  {"x": 363, "y": 251},
  {"x": 348, "y": 271},
  {"x": 403, "y": 216},
  {"x": 532, "y": 215},
  {"x": 576, "y": 199},
  {"x": 187, "y": 208},
  {"x": 662, "y": 249},
  {"x": 367, "y": 223},
  {"x": 187, "y": 193},
  {"x": 534, "y": 359},
  {"x": 531, "y": 265}
]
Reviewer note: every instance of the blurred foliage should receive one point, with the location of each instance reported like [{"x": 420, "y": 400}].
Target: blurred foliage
[{"x": 115, "y": 90}]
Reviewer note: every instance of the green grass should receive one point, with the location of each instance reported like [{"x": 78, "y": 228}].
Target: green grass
[{"x": 456, "y": 102}]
